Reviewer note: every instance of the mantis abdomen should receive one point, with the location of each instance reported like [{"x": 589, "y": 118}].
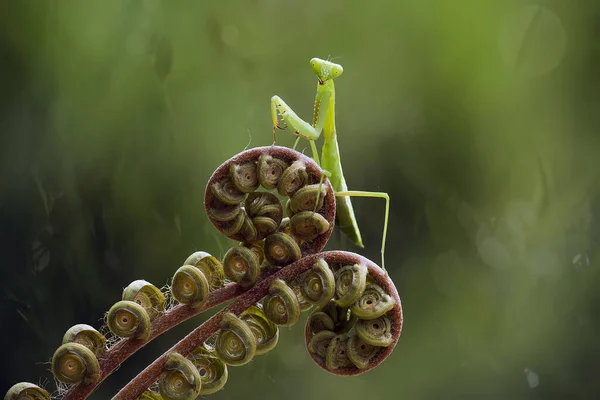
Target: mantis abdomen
[{"x": 345, "y": 218}]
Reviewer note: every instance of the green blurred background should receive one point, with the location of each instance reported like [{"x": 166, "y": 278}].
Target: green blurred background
[{"x": 480, "y": 119}]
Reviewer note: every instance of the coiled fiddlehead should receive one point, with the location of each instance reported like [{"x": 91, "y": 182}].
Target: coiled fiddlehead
[
  {"x": 281, "y": 249},
  {"x": 192, "y": 282},
  {"x": 181, "y": 379},
  {"x": 318, "y": 343},
  {"x": 241, "y": 213},
  {"x": 270, "y": 170},
  {"x": 377, "y": 332},
  {"x": 265, "y": 331},
  {"x": 265, "y": 213},
  {"x": 190, "y": 286},
  {"x": 146, "y": 295},
  {"x": 87, "y": 336},
  {"x": 361, "y": 352},
  {"x": 128, "y": 319},
  {"x": 308, "y": 225},
  {"x": 350, "y": 282},
  {"x": 26, "y": 391},
  {"x": 341, "y": 317},
  {"x": 210, "y": 267},
  {"x": 244, "y": 177},
  {"x": 318, "y": 286},
  {"x": 74, "y": 363},
  {"x": 305, "y": 199},
  {"x": 337, "y": 353},
  {"x": 293, "y": 178},
  {"x": 241, "y": 265},
  {"x": 236, "y": 344},
  {"x": 213, "y": 371},
  {"x": 320, "y": 321},
  {"x": 373, "y": 303},
  {"x": 281, "y": 305},
  {"x": 343, "y": 336}
]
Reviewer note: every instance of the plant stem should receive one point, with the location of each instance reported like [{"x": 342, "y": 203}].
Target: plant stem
[
  {"x": 117, "y": 354},
  {"x": 198, "y": 336}
]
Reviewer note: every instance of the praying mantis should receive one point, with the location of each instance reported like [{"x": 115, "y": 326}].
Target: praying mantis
[{"x": 324, "y": 121}]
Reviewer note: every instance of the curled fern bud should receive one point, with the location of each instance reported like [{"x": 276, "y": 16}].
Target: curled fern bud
[
  {"x": 293, "y": 178},
  {"x": 209, "y": 265},
  {"x": 281, "y": 249},
  {"x": 318, "y": 286},
  {"x": 281, "y": 305},
  {"x": 285, "y": 226},
  {"x": 258, "y": 249},
  {"x": 241, "y": 265},
  {"x": 181, "y": 380},
  {"x": 213, "y": 371},
  {"x": 288, "y": 209},
  {"x": 376, "y": 332},
  {"x": 343, "y": 320},
  {"x": 248, "y": 231},
  {"x": 307, "y": 225},
  {"x": 190, "y": 286},
  {"x": 87, "y": 336},
  {"x": 128, "y": 319},
  {"x": 361, "y": 352},
  {"x": 319, "y": 343},
  {"x": 337, "y": 353},
  {"x": 264, "y": 226},
  {"x": 319, "y": 321},
  {"x": 264, "y": 204},
  {"x": 244, "y": 177},
  {"x": 224, "y": 212},
  {"x": 239, "y": 210},
  {"x": 305, "y": 199},
  {"x": 270, "y": 170},
  {"x": 373, "y": 303},
  {"x": 361, "y": 343},
  {"x": 304, "y": 304},
  {"x": 146, "y": 295},
  {"x": 226, "y": 191},
  {"x": 265, "y": 331},
  {"x": 350, "y": 282},
  {"x": 265, "y": 212},
  {"x": 74, "y": 363},
  {"x": 26, "y": 391},
  {"x": 236, "y": 344},
  {"x": 233, "y": 228}
]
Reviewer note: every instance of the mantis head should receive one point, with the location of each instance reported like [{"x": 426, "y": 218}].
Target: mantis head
[{"x": 325, "y": 70}]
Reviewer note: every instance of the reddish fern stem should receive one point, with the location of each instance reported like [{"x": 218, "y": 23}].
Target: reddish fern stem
[
  {"x": 117, "y": 354},
  {"x": 199, "y": 335}
]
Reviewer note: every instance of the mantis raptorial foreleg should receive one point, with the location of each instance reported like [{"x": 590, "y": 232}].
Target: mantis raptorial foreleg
[
  {"x": 294, "y": 123},
  {"x": 324, "y": 122}
]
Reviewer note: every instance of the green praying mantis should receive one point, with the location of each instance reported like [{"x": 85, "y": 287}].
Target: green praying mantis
[{"x": 324, "y": 121}]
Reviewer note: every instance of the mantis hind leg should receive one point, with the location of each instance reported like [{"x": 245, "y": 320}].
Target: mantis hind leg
[{"x": 381, "y": 195}]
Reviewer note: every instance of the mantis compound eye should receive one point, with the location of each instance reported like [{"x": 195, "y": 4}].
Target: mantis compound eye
[{"x": 336, "y": 70}]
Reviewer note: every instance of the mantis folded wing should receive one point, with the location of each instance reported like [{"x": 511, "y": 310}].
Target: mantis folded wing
[{"x": 324, "y": 121}]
